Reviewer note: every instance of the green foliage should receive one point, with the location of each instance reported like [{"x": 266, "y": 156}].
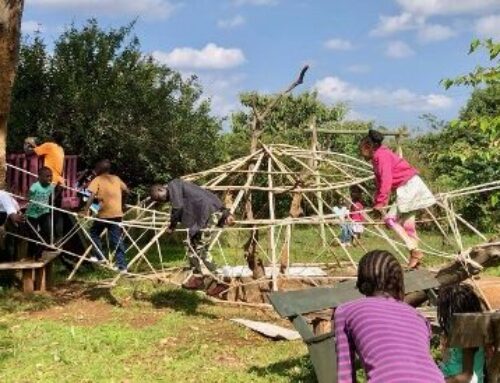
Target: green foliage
[
  {"x": 113, "y": 101},
  {"x": 288, "y": 123},
  {"x": 480, "y": 75},
  {"x": 466, "y": 152}
]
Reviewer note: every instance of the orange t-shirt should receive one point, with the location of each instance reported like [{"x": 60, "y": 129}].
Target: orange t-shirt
[
  {"x": 53, "y": 158},
  {"x": 108, "y": 190}
]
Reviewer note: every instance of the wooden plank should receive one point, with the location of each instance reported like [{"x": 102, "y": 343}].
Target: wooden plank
[
  {"x": 40, "y": 278},
  {"x": 475, "y": 330},
  {"x": 28, "y": 280},
  {"x": 21, "y": 265},
  {"x": 315, "y": 299},
  {"x": 46, "y": 258},
  {"x": 268, "y": 329}
]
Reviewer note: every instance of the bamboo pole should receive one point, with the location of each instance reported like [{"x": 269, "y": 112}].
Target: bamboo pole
[
  {"x": 143, "y": 250},
  {"x": 272, "y": 229},
  {"x": 311, "y": 204},
  {"x": 314, "y": 148}
]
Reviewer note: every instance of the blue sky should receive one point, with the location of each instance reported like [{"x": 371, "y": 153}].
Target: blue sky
[{"x": 383, "y": 57}]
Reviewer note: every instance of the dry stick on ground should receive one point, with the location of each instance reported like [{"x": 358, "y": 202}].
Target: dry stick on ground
[{"x": 487, "y": 255}]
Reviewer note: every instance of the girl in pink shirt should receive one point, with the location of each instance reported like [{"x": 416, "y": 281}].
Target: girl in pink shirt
[{"x": 393, "y": 173}]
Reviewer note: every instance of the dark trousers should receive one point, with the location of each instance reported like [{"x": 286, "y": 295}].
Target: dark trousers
[
  {"x": 58, "y": 215},
  {"x": 115, "y": 239},
  {"x": 36, "y": 228},
  {"x": 8, "y": 250}
]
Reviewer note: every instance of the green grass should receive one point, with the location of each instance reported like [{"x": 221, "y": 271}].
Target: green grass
[
  {"x": 142, "y": 331},
  {"x": 306, "y": 247},
  {"x": 150, "y": 334}
]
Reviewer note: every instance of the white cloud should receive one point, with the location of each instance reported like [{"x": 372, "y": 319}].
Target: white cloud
[
  {"x": 359, "y": 68},
  {"x": 398, "y": 50},
  {"x": 209, "y": 57},
  {"x": 223, "y": 92},
  {"x": 391, "y": 24},
  {"x": 333, "y": 89},
  {"x": 488, "y": 26},
  {"x": 338, "y": 45},
  {"x": 354, "y": 115},
  {"x": 233, "y": 22},
  {"x": 434, "y": 32},
  {"x": 158, "y": 9},
  {"x": 31, "y": 26},
  {"x": 447, "y": 7},
  {"x": 255, "y": 2}
]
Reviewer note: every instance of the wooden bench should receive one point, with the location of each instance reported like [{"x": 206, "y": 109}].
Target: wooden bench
[
  {"x": 479, "y": 330},
  {"x": 36, "y": 275},
  {"x": 295, "y": 305}
]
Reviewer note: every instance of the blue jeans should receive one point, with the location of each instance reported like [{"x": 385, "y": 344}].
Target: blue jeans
[
  {"x": 115, "y": 239},
  {"x": 345, "y": 233}
]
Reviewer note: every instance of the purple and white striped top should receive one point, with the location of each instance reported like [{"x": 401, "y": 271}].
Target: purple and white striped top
[{"x": 391, "y": 338}]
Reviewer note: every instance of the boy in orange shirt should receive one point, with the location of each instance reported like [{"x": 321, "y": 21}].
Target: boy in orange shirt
[{"x": 110, "y": 191}]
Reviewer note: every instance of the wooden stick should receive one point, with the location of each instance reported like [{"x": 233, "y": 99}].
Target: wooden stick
[
  {"x": 271, "y": 231},
  {"x": 143, "y": 250}
]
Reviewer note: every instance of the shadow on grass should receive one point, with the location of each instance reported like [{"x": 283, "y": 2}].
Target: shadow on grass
[
  {"x": 180, "y": 300},
  {"x": 295, "y": 370}
]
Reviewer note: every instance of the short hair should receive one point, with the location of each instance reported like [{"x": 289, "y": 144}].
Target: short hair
[
  {"x": 456, "y": 299},
  {"x": 104, "y": 165},
  {"x": 153, "y": 189},
  {"x": 58, "y": 137},
  {"x": 44, "y": 169},
  {"x": 380, "y": 272}
]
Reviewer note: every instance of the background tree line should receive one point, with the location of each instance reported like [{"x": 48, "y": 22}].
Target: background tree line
[{"x": 111, "y": 100}]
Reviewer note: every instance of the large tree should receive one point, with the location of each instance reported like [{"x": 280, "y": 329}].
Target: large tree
[
  {"x": 111, "y": 100},
  {"x": 10, "y": 28},
  {"x": 466, "y": 152},
  {"x": 289, "y": 122}
]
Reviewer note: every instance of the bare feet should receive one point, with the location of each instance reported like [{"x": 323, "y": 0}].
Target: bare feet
[{"x": 415, "y": 258}]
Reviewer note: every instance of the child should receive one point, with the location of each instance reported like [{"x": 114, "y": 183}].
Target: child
[
  {"x": 459, "y": 365},
  {"x": 345, "y": 227},
  {"x": 393, "y": 173},
  {"x": 390, "y": 337},
  {"x": 38, "y": 214},
  {"x": 356, "y": 212}
]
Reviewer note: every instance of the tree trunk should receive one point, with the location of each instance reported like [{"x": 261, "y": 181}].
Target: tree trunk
[
  {"x": 10, "y": 32},
  {"x": 486, "y": 256}
]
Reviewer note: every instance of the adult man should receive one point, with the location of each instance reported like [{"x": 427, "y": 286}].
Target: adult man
[
  {"x": 200, "y": 211},
  {"x": 11, "y": 218},
  {"x": 52, "y": 153},
  {"x": 53, "y": 158},
  {"x": 110, "y": 191}
]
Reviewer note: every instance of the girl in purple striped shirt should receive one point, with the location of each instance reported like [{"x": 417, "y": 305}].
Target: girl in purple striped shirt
[{"x": 390, "y": 337}]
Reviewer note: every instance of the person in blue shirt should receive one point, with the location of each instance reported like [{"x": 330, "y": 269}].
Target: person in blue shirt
[{"x": 38, "y": 214}]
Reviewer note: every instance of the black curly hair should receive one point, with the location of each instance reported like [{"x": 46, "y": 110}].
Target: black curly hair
[
  {"x": 456, "y": 299},
  {"x": 379, "y": 272}
]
